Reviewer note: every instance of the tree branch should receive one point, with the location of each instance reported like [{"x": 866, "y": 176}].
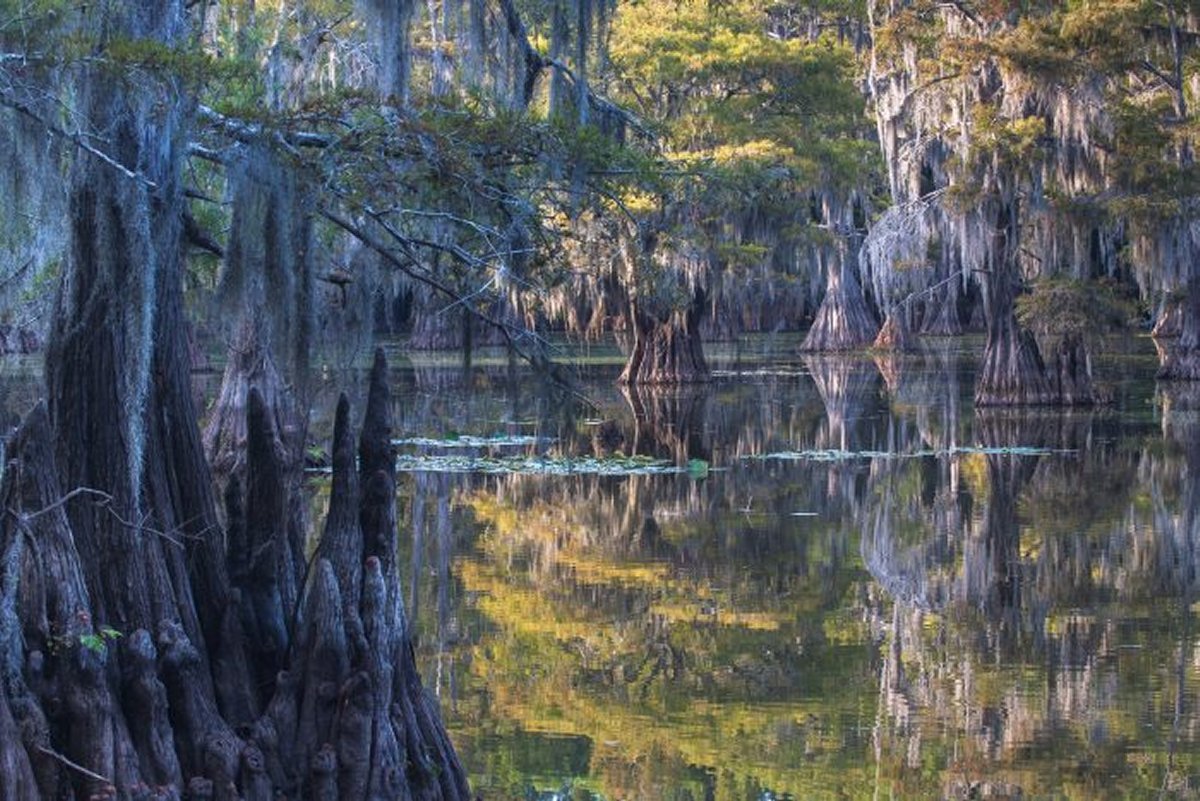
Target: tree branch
[
  {"x": 199, "y": 237},
  {"x": 513, "y": 336},
  {"x": 75, "y": 139},
  {"x": 50, "y": 752}
]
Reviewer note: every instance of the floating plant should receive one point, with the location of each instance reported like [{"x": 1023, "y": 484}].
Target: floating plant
[
  {"x": 468, "y": 441},
  {"x": 838, "y": 455},
  {"x": 536, "y": 465}
]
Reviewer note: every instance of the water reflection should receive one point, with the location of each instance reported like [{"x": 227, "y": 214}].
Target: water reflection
[{"x": 869, "y": 590}]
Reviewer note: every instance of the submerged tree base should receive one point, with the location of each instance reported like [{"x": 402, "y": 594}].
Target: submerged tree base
[
  {"x": 1012, "y": 373},
  {"x": 669, "y": 352},
  {"x": 323, "y": 703},
  {"x": 844, "y": 321}
]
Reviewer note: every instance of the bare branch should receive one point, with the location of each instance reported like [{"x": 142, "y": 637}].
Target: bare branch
[
  {"x": 76, "y": 139},
  {"x": 50, "y": 752},
  {"x": 409, "y": 265},
  {"x": 241, "y": 131}
]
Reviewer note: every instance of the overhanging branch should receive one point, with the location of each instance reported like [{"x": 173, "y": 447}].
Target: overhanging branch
[
  {"x": 76, "y": 139},
  {"x": 513, "y": 336}
]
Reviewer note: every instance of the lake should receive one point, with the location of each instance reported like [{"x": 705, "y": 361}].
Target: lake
[{"x": 815, "y": 577}]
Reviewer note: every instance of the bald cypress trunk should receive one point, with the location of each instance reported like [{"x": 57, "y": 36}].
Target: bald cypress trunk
[
  {"x": 146, "y": 651},
  {"x": 124, "y": 425},
  {"x": 844, "y": 321},
  {"x": 1182, "y": 357},
  {"x": 666, "y": 351},
  {"x": 1012, "y": 372},
  {"x": 894, "y": 334},
  {"x": 392, "y": 23}
]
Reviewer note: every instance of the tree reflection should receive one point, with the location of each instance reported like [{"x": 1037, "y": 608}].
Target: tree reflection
[
  {"x": 669, "y": 420},
  {"x": 1003, "y": 625},
  {"x": 952, "y": 604}
]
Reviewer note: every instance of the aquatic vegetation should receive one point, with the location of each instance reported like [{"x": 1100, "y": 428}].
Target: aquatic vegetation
[
  {"x": 837, "y": 455},
  {"x": 468, "y": 441},
  {"x": 542, "y": 465}
]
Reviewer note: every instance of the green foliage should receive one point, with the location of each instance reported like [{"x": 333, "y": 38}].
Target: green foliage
[
  {"x": 98, "y": 642},
  {"x": 917, "y": 26},
  {"x": 1072, "y": 308},
  {"x": 723, "y": 90},
  {"x": 753, "y": 121},
  {"x": 1010, "y": 143}
]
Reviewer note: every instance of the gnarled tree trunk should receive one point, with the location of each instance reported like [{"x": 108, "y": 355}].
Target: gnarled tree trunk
[
  {"x": 1182, "y": 358},
  {"x": 844, "y": 321},
  {"x": 343, "y": 712},
  {"x": 666, "y": 351},
  {"x": 1012, "y": 372},
  {"x": 143, "y": 655}
]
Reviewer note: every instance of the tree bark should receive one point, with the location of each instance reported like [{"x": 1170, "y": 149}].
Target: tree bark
[
  {"x": 843, "y": 321},
  {"x": 1070, "y": 374},
  {"x": 894, "y": 335},
  {"x": 94, "y": 716},
  {"x": 1169, "y": 322},
  {"x": 141, "y": 657},
  {"x": 1012, "y": 372},
  {"x": 666, "y": 351},
  {"x": 1182, "y": 359}
]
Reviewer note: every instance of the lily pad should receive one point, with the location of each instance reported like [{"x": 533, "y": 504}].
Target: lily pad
[
  {"x": 836, "y": 455},
  {"x": 467, "y": 441},
  {"x": 535, "y": 465}
]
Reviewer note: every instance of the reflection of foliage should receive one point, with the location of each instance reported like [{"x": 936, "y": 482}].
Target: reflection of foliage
[
  {"x": 662, "y": 665},
  {"x": 656, "y": 637}
]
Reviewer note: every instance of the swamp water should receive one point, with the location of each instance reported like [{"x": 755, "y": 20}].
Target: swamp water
[
  {"x": 823, "y": 578},
  {"x": 814, "y": 578}
]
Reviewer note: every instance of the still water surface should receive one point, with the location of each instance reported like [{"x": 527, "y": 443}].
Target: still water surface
[
  {"x": 813, "y": 578},
  {"x": 836, "y": 580}
]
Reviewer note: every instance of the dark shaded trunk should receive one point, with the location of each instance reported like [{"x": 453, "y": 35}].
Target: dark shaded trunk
[
  {"x": 345, "y": 714},
  {"x": 844, "y": 321},
  {"x": 666, "y": 351},
  {"x": 1070, "y": 373},
  {"x": 267, "y": 278},
  {"x": 1012, "y": 372},
  {"x": 253, "y": 393},
  {"x": 1182, "y": 358},
  {"x": 124, "y": 425},
  {"x": 141, "y": 647}
]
